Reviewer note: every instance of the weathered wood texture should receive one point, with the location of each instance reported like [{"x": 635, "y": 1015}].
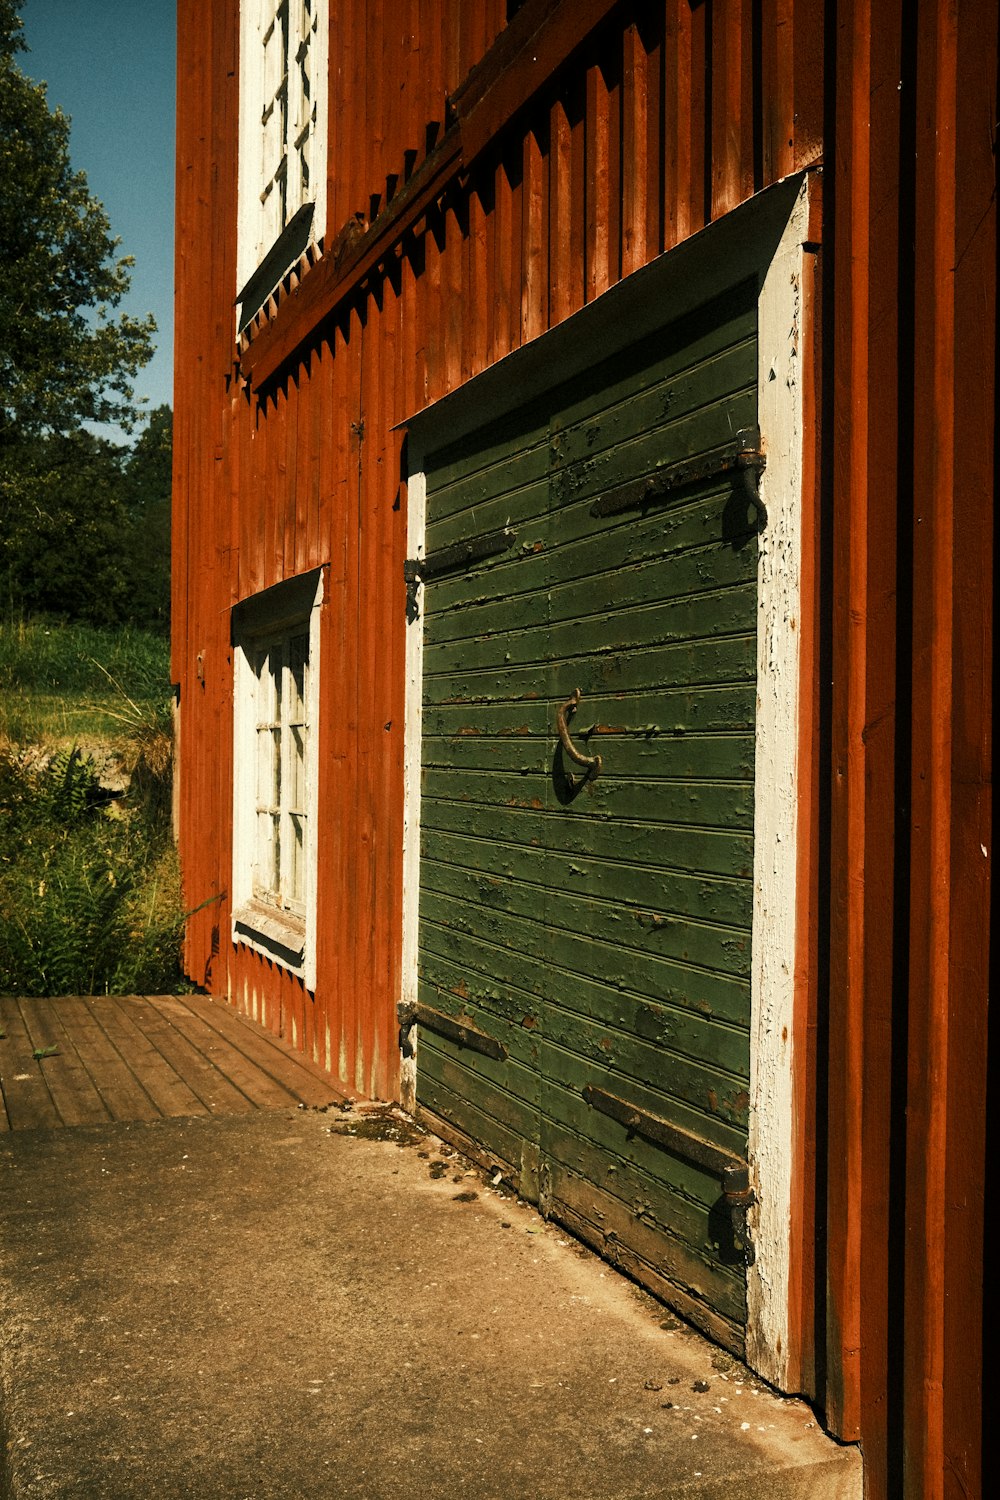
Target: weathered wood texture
[
  {"x": 600, "y": 933},
  {"x": 909, "y": 443},
  {"x": 89, "y": 1060},
  {"x": 635, "y": 136}
]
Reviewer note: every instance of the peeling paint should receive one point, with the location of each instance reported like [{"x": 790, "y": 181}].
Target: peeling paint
[{"x": 772, "y": 1143}]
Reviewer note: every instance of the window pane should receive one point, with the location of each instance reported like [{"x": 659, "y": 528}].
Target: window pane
[
  {"x": 265, "y": 688},
  {"x": 277, "y": 769},
  {"x": 264, "y": 874},
  {"x": 298, "y": 655},
  {"x": 276, "y": 860},
  {"x": 265, "y": 769},
  {"x": 276, "y": 659},
  {"x": 296, "y": 770},
  {"x": 295, "y": 873}
]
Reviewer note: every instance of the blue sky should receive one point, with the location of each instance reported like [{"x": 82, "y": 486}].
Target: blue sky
[{"x": 110, "y": 66}]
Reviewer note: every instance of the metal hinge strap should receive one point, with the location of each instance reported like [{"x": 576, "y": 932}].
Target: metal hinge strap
[
  {"x": 459, "y": 554},
  {"x": 417, "y": 570},
  {"x": 732, "y": 1171},
  {"x": 742, "y": 458},
  {"x": 461, "y": 1032}
]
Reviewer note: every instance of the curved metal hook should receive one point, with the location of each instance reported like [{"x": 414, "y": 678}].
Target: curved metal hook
[{"x": 592, "y": 762}]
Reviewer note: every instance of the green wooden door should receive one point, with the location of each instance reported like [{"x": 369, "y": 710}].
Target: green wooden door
[{"x": 591, "y": 934}]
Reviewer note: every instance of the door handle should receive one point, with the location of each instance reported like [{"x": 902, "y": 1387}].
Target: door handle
[{"x": 591, "y": 762}]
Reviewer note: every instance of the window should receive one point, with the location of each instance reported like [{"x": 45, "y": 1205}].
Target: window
[
  {"x": 282, "y": 167},
  {"x": 276, "y": 666}
]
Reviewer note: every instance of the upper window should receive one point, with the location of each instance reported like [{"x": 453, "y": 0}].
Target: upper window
[
  {"x": 276, "y": 660},
  {"x": 282, "y": 166}
]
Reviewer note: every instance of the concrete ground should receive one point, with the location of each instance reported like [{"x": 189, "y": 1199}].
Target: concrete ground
[{"x": 271, "y": 1306}]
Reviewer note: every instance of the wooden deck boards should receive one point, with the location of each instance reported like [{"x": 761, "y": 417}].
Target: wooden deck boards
[{"x": 87, "y": 1060}]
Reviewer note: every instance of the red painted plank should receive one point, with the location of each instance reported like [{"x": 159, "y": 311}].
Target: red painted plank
[
  {"x": 678, "y": 147},
  {"x": 955, "y": 317},
  {"x": 534, "y": 236},
  {"x": 598, "y": 148},
  {"x": 547, "y": 35},
  {"x": 635, "y": 146},
  {"x": 866, "y": 402},
  {"x": 732, "y": 122},
  {"x": 696, "y": 124},
  {"x": 651, "y": 27}
]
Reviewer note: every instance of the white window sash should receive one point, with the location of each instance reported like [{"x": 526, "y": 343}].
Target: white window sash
[
  {"x": 283, "y": 124},
  {"x": 275, "y": 910}
]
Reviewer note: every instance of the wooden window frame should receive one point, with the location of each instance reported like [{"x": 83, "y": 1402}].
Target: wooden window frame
[
  {"x": 281, "y": 207},
  {"x": 279, "y": 923}
]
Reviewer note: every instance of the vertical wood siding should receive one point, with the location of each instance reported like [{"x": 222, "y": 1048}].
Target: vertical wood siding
[
  {"x": 909, "y": 445},
  {"x": 581, "y": 191},
  {"x": 665, "y": 117}
]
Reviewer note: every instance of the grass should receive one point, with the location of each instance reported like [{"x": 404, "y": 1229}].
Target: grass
[
  {"x": 63, "y": 683},
  {"x": 90, "y": 896}
]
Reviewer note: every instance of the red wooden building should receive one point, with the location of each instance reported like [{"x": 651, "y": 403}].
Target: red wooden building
[{"x": 583, "y": 549}]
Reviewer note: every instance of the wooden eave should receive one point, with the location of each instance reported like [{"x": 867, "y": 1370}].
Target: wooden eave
[{"x": 539, "y": 40}]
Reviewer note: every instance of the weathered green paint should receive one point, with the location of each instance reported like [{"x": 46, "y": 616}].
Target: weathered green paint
[{"x": 600, "y": 931}]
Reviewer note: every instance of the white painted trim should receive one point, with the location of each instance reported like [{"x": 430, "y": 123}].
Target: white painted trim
[
  {"x": 250, "y": 248},
  {"x": 312, "y": 788},
  {"x": 772, "y": 986},
  {"x": 416, "y": 502},
  {"x": 273, "y": 613},
  {"x": 250, "y": 167}
]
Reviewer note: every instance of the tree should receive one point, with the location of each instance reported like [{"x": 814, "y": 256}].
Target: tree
[
  {"x": 146, "y": 552},
  {"x": 63, "y": 358},
  {"x": 85, "y": 527},
  {"x": 76, "y": 511},
  {"x": 62, "y": 528}
]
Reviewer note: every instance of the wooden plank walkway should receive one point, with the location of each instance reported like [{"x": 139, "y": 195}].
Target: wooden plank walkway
[{"x": 87, "y": 1060}]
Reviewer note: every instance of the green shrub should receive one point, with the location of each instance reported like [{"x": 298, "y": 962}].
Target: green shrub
[
  {"x": 89, "y": 903},
  {"x": 89, "y": 889}
]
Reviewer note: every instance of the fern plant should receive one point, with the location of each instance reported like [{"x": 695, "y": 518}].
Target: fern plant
[
  {"x": 71, "y": 929},
  {"x": 87, "y": 906},
  {"x": 70, "y": 785},
  {"x": 88, "y": 902}
]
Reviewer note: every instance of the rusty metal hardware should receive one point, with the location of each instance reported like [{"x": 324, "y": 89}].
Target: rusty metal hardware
[
  {"x": 417, "y": 570},
  {"x": 743, "y": 459},
  {"x": 414, "y": 1013},
  {"x": 591, "y": 762},
  {"x": 732, "y": 1171}
]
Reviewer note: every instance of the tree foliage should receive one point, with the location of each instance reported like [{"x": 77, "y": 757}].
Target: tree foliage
[
  {"x": 85, "y": 527},
  {"x": 146, "y": 543},
  {"x": 64, "y": 359},
  {"x": 62, "y": 514},
  {"x": 84, "y": 523}
]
